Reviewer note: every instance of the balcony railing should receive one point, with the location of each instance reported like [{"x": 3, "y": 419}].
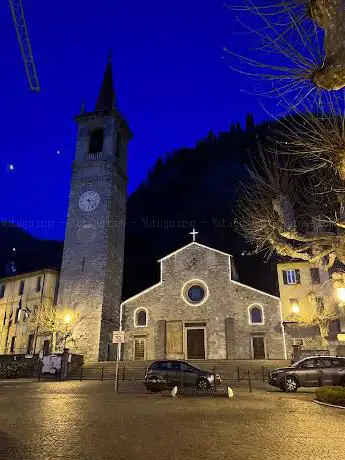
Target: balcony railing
[{"x": 94, "y": 156}]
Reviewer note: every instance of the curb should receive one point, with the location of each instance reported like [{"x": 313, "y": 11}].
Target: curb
[{"x": 329, "y": 405}]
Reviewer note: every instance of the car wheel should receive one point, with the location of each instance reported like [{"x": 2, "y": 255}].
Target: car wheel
[
  {"x": 203, "y": 384},
  {"x": 290, "y": 385}
]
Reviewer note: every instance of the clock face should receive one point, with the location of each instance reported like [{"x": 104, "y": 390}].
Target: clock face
[{"x": 89, "y": 201}]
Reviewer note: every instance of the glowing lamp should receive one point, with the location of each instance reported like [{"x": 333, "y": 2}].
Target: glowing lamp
[
  {"x": 295, "y": 308},
  {"x": 341, "y": 294},
  {"x": 67, "y": 318}
]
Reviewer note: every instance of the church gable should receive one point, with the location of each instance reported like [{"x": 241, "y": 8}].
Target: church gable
[{"x": 195, "y": 260}]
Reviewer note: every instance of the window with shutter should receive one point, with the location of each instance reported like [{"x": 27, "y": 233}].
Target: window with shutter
[
  {"x": 298, "y": 277},
  {"x": 291, "y": 276},
  {"x": 315, "y": 275},
  {"x": 320, "y": 305},
  {"x": 284, "y": 277}
]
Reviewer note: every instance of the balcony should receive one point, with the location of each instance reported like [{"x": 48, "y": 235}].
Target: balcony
[{"x": 94, "y": 156}]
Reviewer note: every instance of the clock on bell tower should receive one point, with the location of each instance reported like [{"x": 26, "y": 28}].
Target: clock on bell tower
[{"x": 92, "y": 264}]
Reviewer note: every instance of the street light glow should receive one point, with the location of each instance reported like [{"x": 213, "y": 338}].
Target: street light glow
[
  {"x": 341, "y": 294},
  {"x": 68, "y": 318},
  {"x": 295, "y": 308}
]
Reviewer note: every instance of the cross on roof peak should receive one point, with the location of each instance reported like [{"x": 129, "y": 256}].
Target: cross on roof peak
[{"x": 194, "y": 233}]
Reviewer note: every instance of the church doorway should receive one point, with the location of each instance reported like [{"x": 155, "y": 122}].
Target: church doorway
[
  {"x": 195, "y": 337},
  {"x": 258, "y": 347},
  {"x": 139, "y": 348}
]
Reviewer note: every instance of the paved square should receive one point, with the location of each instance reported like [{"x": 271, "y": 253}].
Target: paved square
[{"x": 87, "y": 420}]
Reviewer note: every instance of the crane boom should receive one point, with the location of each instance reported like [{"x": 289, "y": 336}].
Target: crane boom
[{"x": 24, "y": 43}]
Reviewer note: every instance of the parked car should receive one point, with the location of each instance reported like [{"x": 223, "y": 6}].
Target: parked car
[
  {"x": 314, "y": 371},
  {"x": 165, "y": 374}
]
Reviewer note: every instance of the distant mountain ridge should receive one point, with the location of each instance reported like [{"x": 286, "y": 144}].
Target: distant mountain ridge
[{"x": 191, "y": 187}]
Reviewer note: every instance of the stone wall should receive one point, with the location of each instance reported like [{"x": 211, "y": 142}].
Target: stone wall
[{"x": 225, "y": 311}]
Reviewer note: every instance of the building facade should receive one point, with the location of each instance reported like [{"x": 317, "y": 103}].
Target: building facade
[
  {"x": 197, "y": 311},
  {"x": 92, "y": 264},
  {"x": 298, "y": 281},
  {"x": 19, "y": 297}
]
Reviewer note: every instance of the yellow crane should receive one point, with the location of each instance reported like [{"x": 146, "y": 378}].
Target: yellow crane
[{"x": 24, "y": 43}]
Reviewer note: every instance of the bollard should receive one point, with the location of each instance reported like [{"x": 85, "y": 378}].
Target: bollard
[
  {"x": 102, "y": 374},
  {"x": 249, "y": 382},
  {"x": 123, "y": 373},
  {"x": 263, "y": 373},
  {"x": 238, "y": 374},
  {"x": 81, "y": 373}
]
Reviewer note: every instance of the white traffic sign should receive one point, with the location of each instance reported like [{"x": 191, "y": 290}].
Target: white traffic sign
[{"x": 118, "y": 336}]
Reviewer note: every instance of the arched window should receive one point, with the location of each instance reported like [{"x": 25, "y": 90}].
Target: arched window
[
  {"x": 256, "y": 314},
  {"x": 96, "y": 141},
  {"x": 140, "y": 319}
]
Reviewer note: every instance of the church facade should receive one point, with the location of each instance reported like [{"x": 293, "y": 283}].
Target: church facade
[{"x": 198, "y": 311}]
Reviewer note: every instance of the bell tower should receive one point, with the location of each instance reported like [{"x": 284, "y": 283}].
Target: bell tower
[{"x": 92, "y": 264}]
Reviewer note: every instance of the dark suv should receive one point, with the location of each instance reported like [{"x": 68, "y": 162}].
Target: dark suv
[
  {"x": 315, "y": 371},
  {"x": 168, "y": 373}
]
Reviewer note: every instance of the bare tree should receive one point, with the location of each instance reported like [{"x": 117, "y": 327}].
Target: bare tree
[
  {"x": 294, "y": 201},
  {"x": 47, "y": 320},
  {"x": 299, "y": 43}
]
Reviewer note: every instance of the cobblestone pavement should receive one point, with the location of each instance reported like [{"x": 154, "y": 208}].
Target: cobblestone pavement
[{"x": 87, "y": 420}]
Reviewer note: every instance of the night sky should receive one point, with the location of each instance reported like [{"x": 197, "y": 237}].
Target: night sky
[{"x": 172, "y": 81}]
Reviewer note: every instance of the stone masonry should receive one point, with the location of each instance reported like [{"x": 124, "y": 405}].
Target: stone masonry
[
  {"x": 224, "y": 313},
  {"x": 91, "y": 274}
]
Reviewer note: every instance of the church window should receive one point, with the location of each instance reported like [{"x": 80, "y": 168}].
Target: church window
[
  {"x": 118, "y": 145},
  {"x": 196, "y": 293},
  {"x": 256, "y": 314},
  {"x": 96, "y": 141},
  {"x": 140, "y": 318},
  {"x": 21, "y": 287},
  {"x": 13, "y": 344}
]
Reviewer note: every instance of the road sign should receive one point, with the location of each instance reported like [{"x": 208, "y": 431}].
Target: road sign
[{"x": 118, "y": 336}]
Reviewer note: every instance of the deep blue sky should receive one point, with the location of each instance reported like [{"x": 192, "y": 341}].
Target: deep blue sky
[{"x": 172, "y": 85}]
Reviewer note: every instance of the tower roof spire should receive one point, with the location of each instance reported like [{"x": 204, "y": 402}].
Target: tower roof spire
[{"x": 106, "y": 95}]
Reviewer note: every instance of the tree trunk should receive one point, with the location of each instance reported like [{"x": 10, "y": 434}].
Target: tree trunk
[
  {"x": 324, "y": 330},
  {"x": 53, "y": 342}
]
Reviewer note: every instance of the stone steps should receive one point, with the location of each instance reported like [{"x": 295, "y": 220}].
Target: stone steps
[{"x": 135, "y": 370}]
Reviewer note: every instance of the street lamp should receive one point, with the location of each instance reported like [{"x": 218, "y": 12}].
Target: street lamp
[
  {"x": 295, "y": 308},
  {"x": 341, "y": 294},
  {"x": 67, "y": 320}
]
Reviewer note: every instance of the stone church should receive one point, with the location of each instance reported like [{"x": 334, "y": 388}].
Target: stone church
[{"x": 198, "y": 311}]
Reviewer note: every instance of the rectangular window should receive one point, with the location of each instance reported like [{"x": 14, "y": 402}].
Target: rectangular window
[
  {"x": 38, "y": 283},
  {"x": 315, "y": 275},
  {"x": 118, "y": 145},
  {"x": 13, "y": 344},
  {"x": 21, "y": 287},
  {"x": 30, "y": 348},
  {"x": 291, "y": 276},
  {"x": 320, "y": 304},
  {"x": 18, "y": 315},
  {"x": 294, "y": 305},
  {"x": 2, "y": 290}
]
